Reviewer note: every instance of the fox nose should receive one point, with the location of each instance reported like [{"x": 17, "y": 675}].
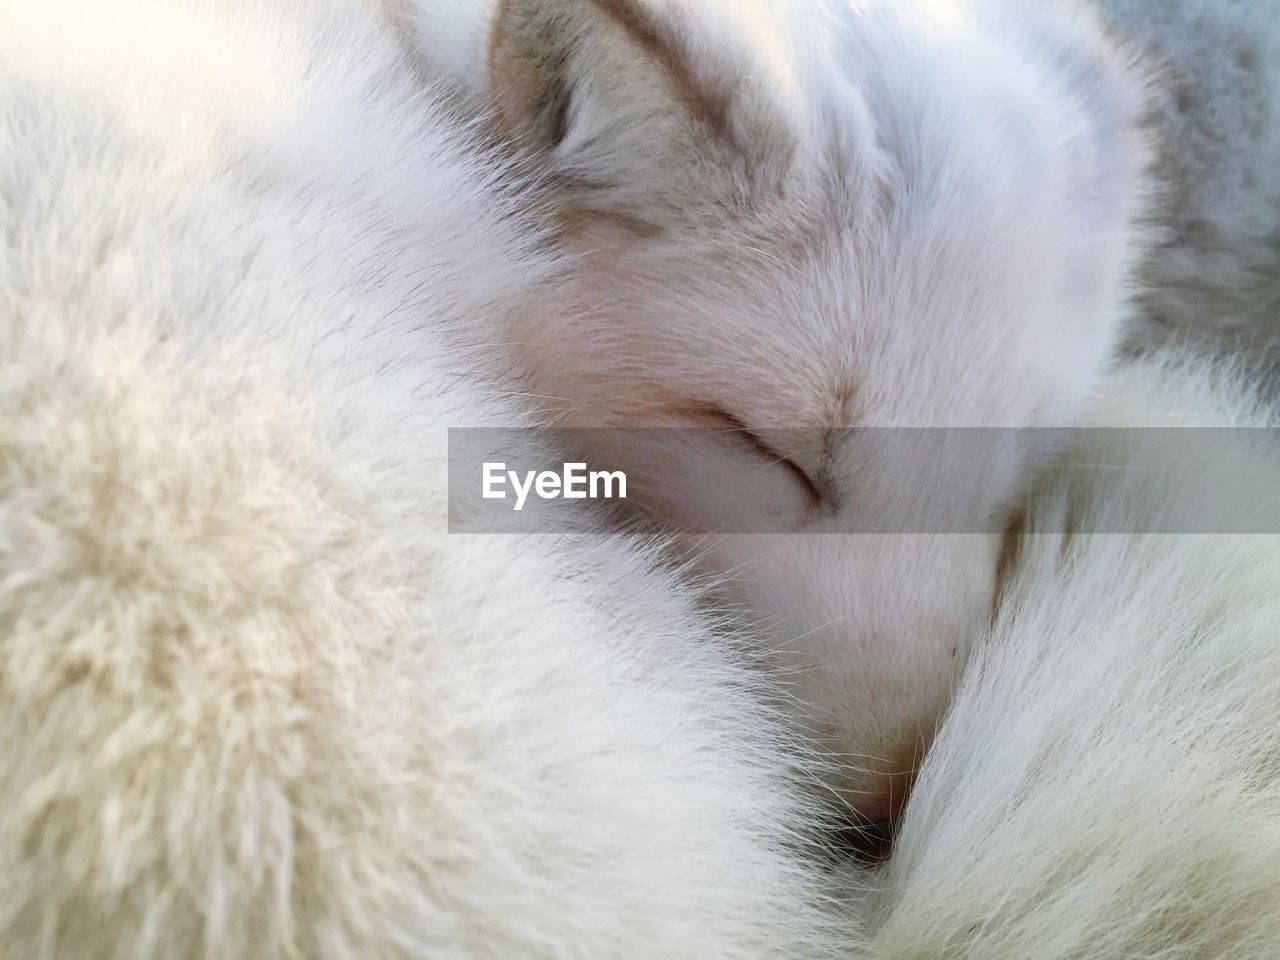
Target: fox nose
[
  {"x": 874, "y": 813},
  {"x": 870, "y": 841},
  {"x": 884, "y": 803}
]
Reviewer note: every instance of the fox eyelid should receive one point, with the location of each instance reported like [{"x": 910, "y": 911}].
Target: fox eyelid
[{"x": 767, "y": 452}]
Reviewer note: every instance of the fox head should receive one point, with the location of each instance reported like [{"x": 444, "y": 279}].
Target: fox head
[{"x": 784, "y": 221}]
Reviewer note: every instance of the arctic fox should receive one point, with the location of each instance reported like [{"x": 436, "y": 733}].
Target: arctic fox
[
  {"x": 817, "y": 215},
  {"x": 255, "y": 703},
  {"x": 255, "y": 706}
]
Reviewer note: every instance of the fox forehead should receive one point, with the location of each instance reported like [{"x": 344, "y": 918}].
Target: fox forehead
[{"x": 898, "y": 218}]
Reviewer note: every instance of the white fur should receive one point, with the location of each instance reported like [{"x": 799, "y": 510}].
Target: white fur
[
  {"x": 448, "y": 39},
  {"x": 1107, "y": 782},
  {"x": 1218, "y": 115},
  {"x": 822, "y": 214},
  {"x": 255, "y": 702}
]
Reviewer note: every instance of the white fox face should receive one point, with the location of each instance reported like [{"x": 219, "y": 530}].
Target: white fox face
[{"x": 785, "y": 222}]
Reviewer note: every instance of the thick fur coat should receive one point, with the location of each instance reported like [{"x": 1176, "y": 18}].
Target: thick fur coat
[
  {"x": 1107, "y": 782},
  {"x": 1217, "y": 116},
  {"x": 256, "y": 702}
]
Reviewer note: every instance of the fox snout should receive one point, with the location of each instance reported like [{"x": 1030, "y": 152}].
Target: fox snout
[{"x": 869, "y": 634}]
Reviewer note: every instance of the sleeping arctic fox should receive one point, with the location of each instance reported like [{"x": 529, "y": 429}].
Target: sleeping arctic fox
[
  {"x": 255, "y": 704},
  {"x": 816, "y": 215},
  {"x": 255, "y": 707}
]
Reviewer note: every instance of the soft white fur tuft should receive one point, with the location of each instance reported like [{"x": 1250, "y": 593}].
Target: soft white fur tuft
[
  {"x": 1107, "y": 782},
  {"x": 256, "y": 703}
]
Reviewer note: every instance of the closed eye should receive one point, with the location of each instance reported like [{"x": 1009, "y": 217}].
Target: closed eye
[{"x": 743, "y": 436}]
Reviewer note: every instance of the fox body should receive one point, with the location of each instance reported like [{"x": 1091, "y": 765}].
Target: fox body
[
  {"x": 256, "y": 702},
  {"x": 259, "y": 705},
  {"x": 1107, "y": 781}
]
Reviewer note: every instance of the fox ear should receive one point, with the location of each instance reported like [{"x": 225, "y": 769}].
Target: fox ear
[{"x": 638, "y": 109}]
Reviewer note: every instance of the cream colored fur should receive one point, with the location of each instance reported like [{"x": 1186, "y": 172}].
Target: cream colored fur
[
  {"x": 1107, "y": 782},
  {"x": 256, "y": 703}
]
